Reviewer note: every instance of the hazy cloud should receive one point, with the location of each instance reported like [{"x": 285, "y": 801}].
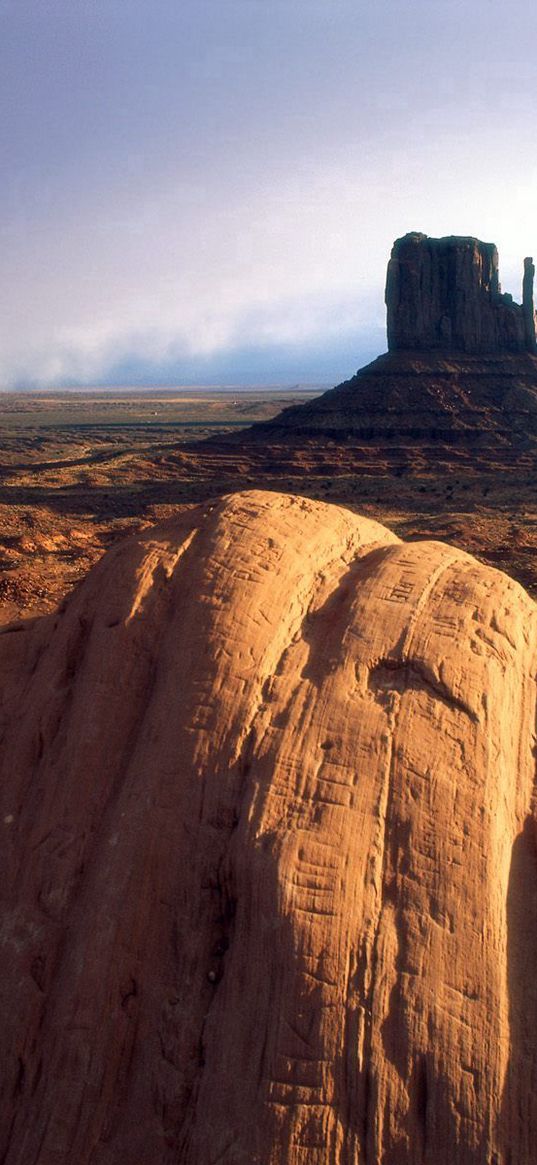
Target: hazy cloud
[{"x": 194, "y": 184}]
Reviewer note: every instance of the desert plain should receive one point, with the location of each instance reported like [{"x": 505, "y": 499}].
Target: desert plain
[{"x": 81, "y": 469}]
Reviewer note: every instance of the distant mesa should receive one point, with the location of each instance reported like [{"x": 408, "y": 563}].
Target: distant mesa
[
  {"x": 444, "y": 294},
  {"x": 458, "y": 385}
]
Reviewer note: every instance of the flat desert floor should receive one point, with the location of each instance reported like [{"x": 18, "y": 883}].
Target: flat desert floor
[{"x": 78, "y": 470}]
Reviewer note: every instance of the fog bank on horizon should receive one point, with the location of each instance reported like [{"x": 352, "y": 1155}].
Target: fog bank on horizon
[{"x": 209, "y": 193}]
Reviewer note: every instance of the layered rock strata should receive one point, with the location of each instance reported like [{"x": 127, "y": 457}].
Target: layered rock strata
[
  {"x": 423, "y": 415},
  {"x": 269, "y": 869},
  {"x": 445, "y": 294}
]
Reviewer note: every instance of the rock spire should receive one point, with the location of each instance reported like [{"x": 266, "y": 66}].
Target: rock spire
[{"x": 444, "y": 294}]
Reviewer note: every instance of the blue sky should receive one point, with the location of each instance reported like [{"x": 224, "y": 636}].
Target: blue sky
[{"x": 202, "y": 191}]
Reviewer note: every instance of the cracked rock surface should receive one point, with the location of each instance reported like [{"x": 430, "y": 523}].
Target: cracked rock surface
[{"x": 268, "y": 868}]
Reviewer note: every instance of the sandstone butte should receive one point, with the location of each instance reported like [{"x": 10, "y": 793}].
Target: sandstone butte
[
  {"x": 269, "y": 868},
  {"x": 457, "y": 387}
]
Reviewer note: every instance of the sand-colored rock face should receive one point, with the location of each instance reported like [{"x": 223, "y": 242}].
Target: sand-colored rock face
[{"x": 268, "y": 865}]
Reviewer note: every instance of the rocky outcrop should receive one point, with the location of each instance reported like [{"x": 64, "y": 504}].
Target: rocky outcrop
[
  {"x": 269, "y": 867},
  {"x": 528, "y": 304},
  {"x": 445, "y": 294}
]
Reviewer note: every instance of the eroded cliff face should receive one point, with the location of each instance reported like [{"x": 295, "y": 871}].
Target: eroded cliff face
[
  {"x": 444, "y": 294},
  {"x": 269, "y": 868}
]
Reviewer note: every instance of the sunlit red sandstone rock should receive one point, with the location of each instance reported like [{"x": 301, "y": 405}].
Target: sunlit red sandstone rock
[{"x": 268, "y": 864}]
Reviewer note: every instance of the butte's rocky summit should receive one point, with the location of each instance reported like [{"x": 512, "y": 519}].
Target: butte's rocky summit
[
  {"x": 269, "y": 862},
  {"x": 445, "y": 294}
]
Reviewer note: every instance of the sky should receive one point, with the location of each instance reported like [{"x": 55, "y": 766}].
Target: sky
[{"x": 207, "y": 191}]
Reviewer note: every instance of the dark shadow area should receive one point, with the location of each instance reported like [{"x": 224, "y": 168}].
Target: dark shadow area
[
  {"x": 518, "y": 1117},
  {"x": 110, "y": 500}
]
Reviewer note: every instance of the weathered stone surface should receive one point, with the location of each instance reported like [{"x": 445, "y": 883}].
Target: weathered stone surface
[
  {"x": 269, "y": 867},
  {"x": 445, "y": 294}
]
